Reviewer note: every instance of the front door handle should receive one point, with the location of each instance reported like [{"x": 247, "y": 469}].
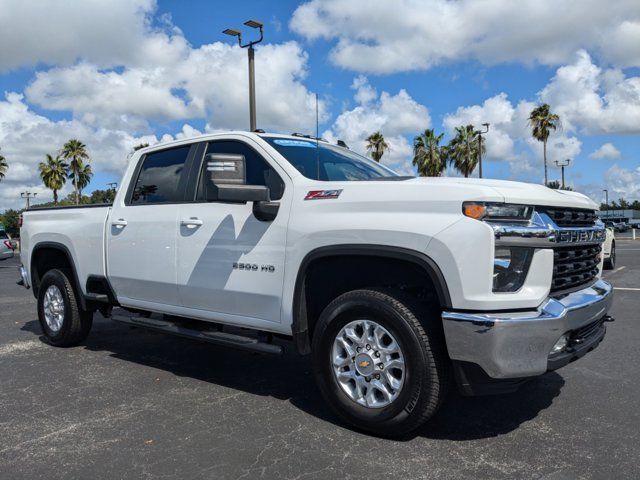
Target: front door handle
[
  {"x": 120, "y": 223},
  {"x": 192, "y": 222}
]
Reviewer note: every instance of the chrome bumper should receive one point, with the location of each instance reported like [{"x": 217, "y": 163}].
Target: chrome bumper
[{"x": 518, "y": 344}]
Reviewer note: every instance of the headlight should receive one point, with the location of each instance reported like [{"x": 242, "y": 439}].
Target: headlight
[
  {"x": 510, "y": 267},
  {"x": 497, "y": 211}
]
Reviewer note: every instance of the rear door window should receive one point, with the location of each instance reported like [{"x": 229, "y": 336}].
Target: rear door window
[{"x": 160, "y": 179}]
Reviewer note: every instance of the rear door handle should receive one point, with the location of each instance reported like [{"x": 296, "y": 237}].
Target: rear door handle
[
  {"x": 191, "y": 222},
  {"x": 120, "y": 223}
]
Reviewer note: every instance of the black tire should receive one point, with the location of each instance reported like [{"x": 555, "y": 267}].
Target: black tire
[
  {"x": 417, "y": 330},
  {"x": 76, "y": 323},
  {"x": 610, "y": 263}
]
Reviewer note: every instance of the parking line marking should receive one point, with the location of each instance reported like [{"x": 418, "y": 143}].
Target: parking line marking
[
  {"x": 627, "y": 288},
  {"x": 608, "y": 274}
]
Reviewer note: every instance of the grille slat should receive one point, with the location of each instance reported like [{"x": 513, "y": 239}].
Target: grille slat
[
  {"x": 574, "y": 266},
  {"x": 570, "y": 217}
]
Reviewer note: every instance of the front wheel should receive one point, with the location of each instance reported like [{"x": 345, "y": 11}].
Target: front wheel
[
  {"x": 380, "y": 361},
  {"x": 63, "y": 321}
]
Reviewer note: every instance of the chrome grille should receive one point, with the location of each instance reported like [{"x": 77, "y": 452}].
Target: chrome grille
[
  {"x": 574, "y": 266},
  {"x": 570, "y": 217}
]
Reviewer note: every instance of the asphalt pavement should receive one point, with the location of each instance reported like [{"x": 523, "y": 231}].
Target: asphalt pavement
[{"x": 130, "y": 403}]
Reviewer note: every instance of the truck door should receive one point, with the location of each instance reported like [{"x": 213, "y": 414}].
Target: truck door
[
  {"x": 230, "y": 264},
  {"x": 142, "y": 230}
]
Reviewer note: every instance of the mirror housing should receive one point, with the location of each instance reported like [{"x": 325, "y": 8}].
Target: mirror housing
[{"x": 243, "y": 193}]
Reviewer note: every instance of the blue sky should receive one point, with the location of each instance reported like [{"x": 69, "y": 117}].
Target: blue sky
[{"x": 153, "y": 71}]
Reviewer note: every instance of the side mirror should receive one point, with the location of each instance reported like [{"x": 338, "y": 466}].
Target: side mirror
[{"x": 263, "y": 208}]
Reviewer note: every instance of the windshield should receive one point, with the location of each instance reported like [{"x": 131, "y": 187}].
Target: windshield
[{"x": 326, "y": 162}]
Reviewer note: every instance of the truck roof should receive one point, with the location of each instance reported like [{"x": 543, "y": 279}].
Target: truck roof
[{"x": 259, "y": 133}]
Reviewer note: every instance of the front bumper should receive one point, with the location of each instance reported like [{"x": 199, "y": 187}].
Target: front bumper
[{"x": 513, "y": 345}]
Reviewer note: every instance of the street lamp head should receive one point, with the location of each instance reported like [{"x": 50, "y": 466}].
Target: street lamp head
[
  {"x": 486, "y": 125},
  {"x": 253, "y": 23},
  {"x": 232, "y": 32}
]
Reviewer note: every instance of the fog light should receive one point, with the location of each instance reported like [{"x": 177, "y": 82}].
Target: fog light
[
  {"x": 510, "y": 268},
  {"x": 560, "y": 345}
]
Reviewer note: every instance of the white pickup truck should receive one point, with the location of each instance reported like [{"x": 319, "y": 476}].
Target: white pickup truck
[{"x": 397, "y": 286}]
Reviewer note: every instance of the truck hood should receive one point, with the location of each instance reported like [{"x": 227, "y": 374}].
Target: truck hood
[{"x": 515, "y": 192}]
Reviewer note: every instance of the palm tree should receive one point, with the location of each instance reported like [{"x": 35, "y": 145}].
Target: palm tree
[
  {"x": 3, "y": 167},
  {"x": 54, "y": 174},
  {"x": 464, "y": 149},
  {"x": 76, "y": 152},
  {"x": 428, "y": 155},
  {"x": 542, "y": 121},
  {"x": 82, "y": 178},
  {"x": 376, "y": 145}
]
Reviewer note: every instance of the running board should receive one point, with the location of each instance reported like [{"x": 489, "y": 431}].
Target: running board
[{"x": 211, "y": 336}]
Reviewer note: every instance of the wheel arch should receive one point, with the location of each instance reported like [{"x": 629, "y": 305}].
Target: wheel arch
[
  {"x": 61, "y": 258},
  {"x": 303, "y": 319}
]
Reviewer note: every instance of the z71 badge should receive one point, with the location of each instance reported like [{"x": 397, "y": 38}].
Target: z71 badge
[{"x": 253, "y": 267}]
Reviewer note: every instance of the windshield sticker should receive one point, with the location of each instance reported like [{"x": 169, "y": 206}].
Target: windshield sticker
[{"x": 293, "y": 143}]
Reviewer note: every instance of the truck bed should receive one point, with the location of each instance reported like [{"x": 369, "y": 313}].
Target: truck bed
[{"x": 80, "y": 229}]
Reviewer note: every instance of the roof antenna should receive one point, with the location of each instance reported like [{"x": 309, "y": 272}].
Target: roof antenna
[{"x": 317, "y": 144}]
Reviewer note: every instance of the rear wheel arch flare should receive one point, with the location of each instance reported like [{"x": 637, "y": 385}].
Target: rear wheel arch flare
[{"x": 59, "y": 256}]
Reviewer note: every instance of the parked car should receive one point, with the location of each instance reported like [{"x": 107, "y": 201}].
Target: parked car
[
  {"x": 617, "y": 226},
  {"x": 609, "y": 250},
  {"x": 6, "y": 246},
  {"x": 397, "y": 286}
]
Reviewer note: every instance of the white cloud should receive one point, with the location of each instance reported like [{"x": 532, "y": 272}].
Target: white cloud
[
  {"x": 106, "y": 33},
  {"x": 209, "y": 82},
  {"x": 594, "y": 100},
  {"x": 26, "y": 137},
  {"x": 607, "y": 150},
  {"x": 109, "y": 98},
  {"x": 623, "y": 182},
  {"x": 394, "y": 115},
  {"x": 383, "y": 37},
  {"x": 509, "y": 137}
]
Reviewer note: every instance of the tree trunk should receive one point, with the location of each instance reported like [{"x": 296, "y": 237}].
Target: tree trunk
[
  {"x": 544, "y": 151},
  {"x": 76, "y": 172},
  {"x": 55, "y": 197}
]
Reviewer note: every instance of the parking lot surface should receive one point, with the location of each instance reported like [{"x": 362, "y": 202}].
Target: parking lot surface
[{"x": 129, "y": 403}]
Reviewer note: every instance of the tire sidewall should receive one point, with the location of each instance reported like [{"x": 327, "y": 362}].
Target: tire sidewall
[
  {"x": 57, "y": 278},
  {"x": 416, "y": 380}
]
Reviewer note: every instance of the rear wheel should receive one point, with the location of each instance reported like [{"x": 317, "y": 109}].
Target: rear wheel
[
  {"x": 380, "y": 361},
  {"x": 610, "y": 263},
  {"x": 63, "y": 321}
]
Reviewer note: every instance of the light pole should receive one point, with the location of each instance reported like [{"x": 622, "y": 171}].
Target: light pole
[
  {"x": 27, "y": 196},
  {"x": 252, "y": 78},
  {"x": 606, "y": 202},
  {"x": 480, "y": 132},
  {"x": 562, "y": 165}
]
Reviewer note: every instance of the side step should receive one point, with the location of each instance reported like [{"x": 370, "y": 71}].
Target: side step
[{"x": 211, "y": 336}]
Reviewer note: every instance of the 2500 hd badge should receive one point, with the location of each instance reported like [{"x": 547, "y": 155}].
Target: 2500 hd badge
[{"x": 253, "y": 267}]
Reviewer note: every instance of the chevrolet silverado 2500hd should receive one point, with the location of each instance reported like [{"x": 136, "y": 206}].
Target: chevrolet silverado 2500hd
[{"x": 397, "y": 286}]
